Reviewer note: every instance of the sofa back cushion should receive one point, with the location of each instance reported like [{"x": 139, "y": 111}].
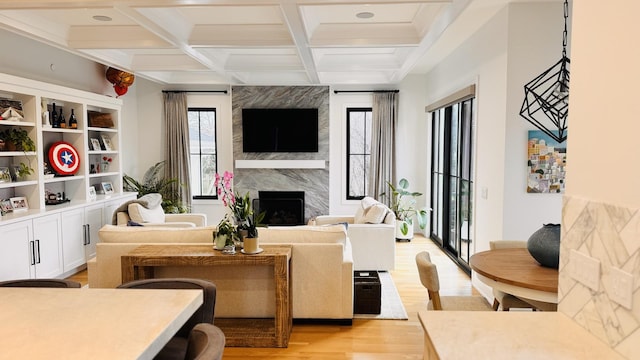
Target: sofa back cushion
[
  {"x": 144, "y": 234},
  {"x": 141, "y": 214},
  {"x": 303, "y": 234}
]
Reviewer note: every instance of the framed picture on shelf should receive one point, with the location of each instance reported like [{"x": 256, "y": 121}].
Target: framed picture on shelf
[
  {"x": 19, "y": 203},
  {"x": 107, "y": 143},
  {"x": 5, "y": 175},
  {"x": 95, "y": 144},
  {"x": 107, "y": 187},
  {"x": 92, "y": 193},
  {"x": 5, "y": 206}
]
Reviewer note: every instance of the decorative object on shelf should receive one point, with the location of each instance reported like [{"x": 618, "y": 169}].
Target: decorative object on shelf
[
  {"x": 48, "y": 174},
  {"x": 223, "y": 235},
  {"x": 12, "y": 114},
  {"x": 16, "y": 139},
  {"x": 546, "y": 102},
  {"x": 154, "y": 181},
  {"x": 121, "y": 80},
  {"x": 402, "y": 203},
  {"x": 52, "y": 198},
  {"x": 92, "y": 193},
  {"x": 101, "y": 120},
  {"x": 46, "y": 123},
  {"x": 107, "y": 143},
  {"x": 5, "y": 206},
  {"x": 73, "y": 121},
  {"x": 544, "y": 245},
  {"x": 19, "y": 203},
  {"x": 22, "y": 171},
  {"x": 546, "y": 163},
  {"x": 107, "y": 187},
  {"x": 95, "y": 144},
  {"x": 11, "y": 110},
  {"x": 64, "y": 158},
  {"x": 5, "y": 175},
  {"x": 104, "y": 164},
  {"x": 54, "y": 116},
  {"x": 61, "y": 120}
]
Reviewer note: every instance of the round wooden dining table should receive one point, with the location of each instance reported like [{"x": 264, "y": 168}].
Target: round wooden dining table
[{"x": 516, "y": 272}]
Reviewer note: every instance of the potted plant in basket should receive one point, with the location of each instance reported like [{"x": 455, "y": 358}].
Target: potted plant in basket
[
  {"x": 403, "y": 204},
  {"x": 250, "y": 241}
]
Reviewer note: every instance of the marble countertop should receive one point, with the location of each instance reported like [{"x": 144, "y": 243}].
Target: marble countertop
[
  {"x": 508, "y": 335},
  {"x": 54, "y": 323}
]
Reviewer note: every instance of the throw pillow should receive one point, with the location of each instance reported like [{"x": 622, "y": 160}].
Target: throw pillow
[
  {"x": 375, "y": 214},
  {"x": 140, "y": 214},
  {"x": 133, "y": 223}
]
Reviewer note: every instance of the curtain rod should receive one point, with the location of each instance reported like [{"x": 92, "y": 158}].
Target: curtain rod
[
  {"x": 365, "y": 91},
  {"x": 195, "y": 91}
]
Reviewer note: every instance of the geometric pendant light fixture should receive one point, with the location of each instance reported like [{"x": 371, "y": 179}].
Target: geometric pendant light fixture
[{"x": 546, "y": 101}]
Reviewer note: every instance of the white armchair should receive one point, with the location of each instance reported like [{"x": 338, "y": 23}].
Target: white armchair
[{"x": 373, "y": 244}]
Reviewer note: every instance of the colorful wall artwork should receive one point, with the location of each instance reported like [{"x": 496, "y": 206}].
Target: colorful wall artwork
[{"x": 546, "y": 164}]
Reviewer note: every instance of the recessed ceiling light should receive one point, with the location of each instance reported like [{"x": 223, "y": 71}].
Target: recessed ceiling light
[
  {"x": 102, "y": 18},
  {"x": 365, "y": 15}
]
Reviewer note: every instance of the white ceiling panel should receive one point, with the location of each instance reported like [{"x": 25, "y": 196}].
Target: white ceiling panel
[{"x": 261, "y": 42}]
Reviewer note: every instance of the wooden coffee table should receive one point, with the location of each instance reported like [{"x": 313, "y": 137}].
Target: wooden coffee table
[{"x": 141, "y": 262}]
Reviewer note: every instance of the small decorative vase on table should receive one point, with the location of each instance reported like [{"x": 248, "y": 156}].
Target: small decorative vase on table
[{"x": 544, "y": 245}]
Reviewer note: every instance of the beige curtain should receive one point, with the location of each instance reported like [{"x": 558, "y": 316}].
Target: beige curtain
[
  {"x": 177, "y": 144},
  {"x": 383, "y": 133}
]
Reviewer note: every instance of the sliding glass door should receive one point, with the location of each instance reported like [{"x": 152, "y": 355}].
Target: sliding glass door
[{"x": 452, "y": 176}]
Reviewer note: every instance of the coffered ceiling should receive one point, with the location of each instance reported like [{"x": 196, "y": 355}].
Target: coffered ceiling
[{"x": 293, "y": 42}]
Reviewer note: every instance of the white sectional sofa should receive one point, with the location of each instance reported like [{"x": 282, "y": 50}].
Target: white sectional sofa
[{"x": 321, "y": 269}]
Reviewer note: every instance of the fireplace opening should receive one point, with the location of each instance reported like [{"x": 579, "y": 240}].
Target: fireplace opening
[{"x": 281, "y": 207}]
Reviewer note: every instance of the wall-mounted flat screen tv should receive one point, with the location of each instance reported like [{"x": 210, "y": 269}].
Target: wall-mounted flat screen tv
[{"x": 280, "y": 130}]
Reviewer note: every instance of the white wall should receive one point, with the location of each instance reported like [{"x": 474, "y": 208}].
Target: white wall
[
  {"x": 517, "y": 44},
  {"x": 534, "y": 45},
  {"x": 481, "y": 60},
  {"x": 414, "y": 140},
  {"x": 338, "y": 104}
]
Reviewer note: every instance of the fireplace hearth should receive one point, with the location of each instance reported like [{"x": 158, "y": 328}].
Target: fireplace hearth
[{"x": 282, "y": 208}]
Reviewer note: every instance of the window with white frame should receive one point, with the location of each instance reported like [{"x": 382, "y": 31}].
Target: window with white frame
[
  {"x": 358, "y": 151},
  {"x": 203, "y": 152}
]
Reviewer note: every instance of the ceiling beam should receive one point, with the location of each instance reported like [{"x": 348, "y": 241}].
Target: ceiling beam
[{"x": 297, "y": 30}]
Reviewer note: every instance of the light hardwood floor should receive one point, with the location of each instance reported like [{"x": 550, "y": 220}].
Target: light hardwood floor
[{"x": 369, "y": 339}]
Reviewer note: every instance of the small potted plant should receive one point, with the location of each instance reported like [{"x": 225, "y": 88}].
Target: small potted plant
[
  {"x": 22, "y": 171},
  {"x": 224, "y": 233},
  {"x": 403, "y": 204},
  {"x": 16, "y": 139},
  {"x": 250, "y": 241}
]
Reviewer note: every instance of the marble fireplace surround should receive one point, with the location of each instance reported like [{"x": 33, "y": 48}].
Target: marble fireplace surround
[{"x": 308, "y": 172}]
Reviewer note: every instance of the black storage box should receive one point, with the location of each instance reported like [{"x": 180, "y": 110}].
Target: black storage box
[{"x": 367, "y": 292}]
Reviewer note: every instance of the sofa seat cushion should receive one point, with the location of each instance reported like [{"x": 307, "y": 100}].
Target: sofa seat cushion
[{"x": 144, "y": 234}]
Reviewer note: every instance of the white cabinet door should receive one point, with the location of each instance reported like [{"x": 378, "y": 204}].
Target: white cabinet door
[
  {"x": 93, "y": 220},
  {"x": 47, "y": 237},
  {"x": 16, "y": 251},
  {"x": 73, "y": 238}
]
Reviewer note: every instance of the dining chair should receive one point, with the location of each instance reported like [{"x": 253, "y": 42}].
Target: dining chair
[
  {"x": 206, "y": 341},
  {"x": 508, "y": 301},
  {"x": 176, "y": 348},
  {"x": 46, "y": 283},
  {"x": 429, "y": 278}
]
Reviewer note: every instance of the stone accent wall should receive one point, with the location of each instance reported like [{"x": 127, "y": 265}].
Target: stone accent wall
[
  {"x": 314, "y": 182},
  {"x": 611, "y": 234}
]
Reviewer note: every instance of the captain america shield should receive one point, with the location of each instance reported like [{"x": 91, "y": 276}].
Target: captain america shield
[{"x": 64, "y": 158}]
